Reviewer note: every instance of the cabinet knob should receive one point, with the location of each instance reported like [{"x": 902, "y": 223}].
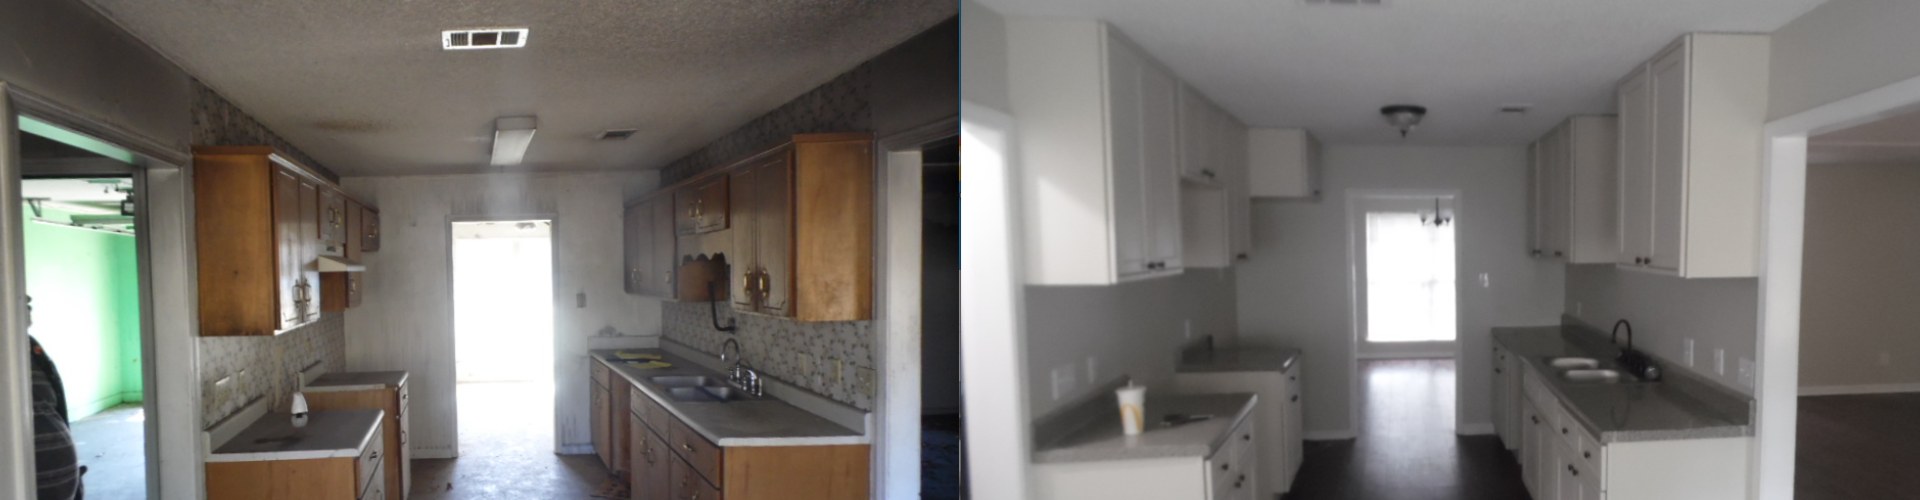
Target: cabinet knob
[
  {"x": 1246, "y": 437},
  {"x": 1563, "y": 430},
  {"x": 1575, "y": 471},
  {"x": 1296, "y": 398},
  {"x": 1586, "y": 454}
]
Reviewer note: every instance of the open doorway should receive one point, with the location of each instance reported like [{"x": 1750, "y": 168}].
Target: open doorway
[
  {"x": 83, "y": 274},
  {"x": 503, "y": 342},
  {"x": 943, "y": 433}
]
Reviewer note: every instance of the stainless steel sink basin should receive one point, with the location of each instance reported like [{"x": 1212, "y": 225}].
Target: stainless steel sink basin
[
  {"x": 1574, "y": 363},
  {"x": 706, "y": 394},
  {"x": 687, "y": 381},
  {"x": 1597, "y": 376}
]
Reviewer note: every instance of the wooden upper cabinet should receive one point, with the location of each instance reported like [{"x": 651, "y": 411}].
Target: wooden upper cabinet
[
  {"x": 833, "y": 227},
  {"x": 332, "y": 222},
  {"x": 255, "y": 241},
  {"x": 703, "y": 207},
  {"x": 666, "y": 257},
  {"x": 649, "y": 238},
  {"x": 340, "y": 291},
  {"x": 370, "y": 230},
  {"x": 762, "y": 258}
]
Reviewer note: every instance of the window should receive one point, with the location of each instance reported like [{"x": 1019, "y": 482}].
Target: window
[{"x": 1410, "y": 278}]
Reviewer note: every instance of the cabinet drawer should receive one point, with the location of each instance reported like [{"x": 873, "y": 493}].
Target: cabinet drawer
[
  {"x": 368, "y": 465},
  {"x": 375, "y": 489},
  {"x": 703, "y": 456},
  {"x": 651, "y": 413},
  {"x": 1230, "y": 471},
  {"x": 600, "y": 372},
  {"x": 688, "y": 484}
]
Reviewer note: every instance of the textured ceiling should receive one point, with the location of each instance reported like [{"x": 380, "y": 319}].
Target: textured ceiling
[
  {"x": 1895, "y": 139},
  {"x": 364, "y": 87},
  {"x": 1329, "y": 68}
]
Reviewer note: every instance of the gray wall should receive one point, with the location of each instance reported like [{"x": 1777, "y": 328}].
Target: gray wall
[
  {"x": 1857, "y": 318},
  {"x": 1132, "y": 329},
  {"x": 1295, "y": 291},
  {"x": 64, "y": 51},
  {"x": 1842, "y": 48},
  {"x": 406, "y": 319},
  {"x": 1665, "y": 311}
]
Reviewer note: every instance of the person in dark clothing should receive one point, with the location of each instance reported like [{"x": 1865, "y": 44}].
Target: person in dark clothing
[{"x": 56, "y": 467}]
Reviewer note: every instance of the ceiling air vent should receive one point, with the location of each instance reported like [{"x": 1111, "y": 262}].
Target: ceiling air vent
[
  {"x": 618, "y": 134},
  {"x": 483, "y": 38},
  {"x": 1346, "y": 2}
]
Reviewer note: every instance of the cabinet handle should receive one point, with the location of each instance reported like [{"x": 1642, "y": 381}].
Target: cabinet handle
[
  {"x": 1586, "y": 454},
  {"x": 1296, "y": 398},
  {"x": 1240, "y": 481},
  {"x": 1575, "y": 471},
  {"x": 1246, "y": 437},
  {"x": 685, "y": 446},
  {"x": 1536, "y": 419},
  {"x": 1207, "y": 172},
  {"x": 1225, "y": 466},
  {"x": 1557, "y": 253},
  {"x": 1497, "y": 370},
  {"x": 1563, "y": 430}
]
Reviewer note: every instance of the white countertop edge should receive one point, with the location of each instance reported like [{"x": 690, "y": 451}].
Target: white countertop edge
[
  {"x": 710, "y": 436},
  {"x": 343, "y": 388},
  {"x": 379, "y": 421},
  {"x": 793, "y": 441}
]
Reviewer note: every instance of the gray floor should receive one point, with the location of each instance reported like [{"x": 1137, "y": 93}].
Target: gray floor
[
  {"x": 1857, "y": 446},
  {"x": 506, "y": 447},
  {"x": 112, "y": 445}
]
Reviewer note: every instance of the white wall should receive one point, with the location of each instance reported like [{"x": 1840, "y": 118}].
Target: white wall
[
  {"x": 1840, "y": 49},
  {"x": 1859, "y": 278},
  {"x": 1665, "y": 311},
  {"x": 1295, "y": 291},
  {"x": 406, "y": 319},
  {"x": 1132, "y": 329}
]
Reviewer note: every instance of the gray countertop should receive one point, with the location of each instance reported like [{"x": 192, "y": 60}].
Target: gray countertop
[
  {"x": 1249, "y": 359},
  {"x": 356, "y": 381},
  {"x": 1679, "y": 406},
  {"x": 328, "y": 434},
  {"x": 759, "y": 422},
  {"x": 1099, "y": 439}
]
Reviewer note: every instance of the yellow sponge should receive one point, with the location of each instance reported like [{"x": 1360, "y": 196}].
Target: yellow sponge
[
  {"x": 635, "y": 355},
  {"x": 650, "y": 365}
]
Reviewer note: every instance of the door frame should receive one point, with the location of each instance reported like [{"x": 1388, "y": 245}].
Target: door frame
[
  {"x": 453, "y": 318},
  {"x": 897, "y": 269},
  {"x": 1783, "y": 231},
  {"x": 1358, "y": 201},
  {"x": 170, "y": 371}
]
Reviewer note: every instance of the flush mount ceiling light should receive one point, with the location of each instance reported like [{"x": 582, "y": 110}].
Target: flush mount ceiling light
[
  {"x": 483, "y": 38},
  {"x": 1404, "y": 116},
  {"x": 511, "y": 136}
]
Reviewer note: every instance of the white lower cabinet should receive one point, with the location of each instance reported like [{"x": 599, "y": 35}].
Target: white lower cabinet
[
  {"x": 1560, "y": 459},
  {"x": 1230, "y": 473},
  {"x": 1276, "y": 418}
]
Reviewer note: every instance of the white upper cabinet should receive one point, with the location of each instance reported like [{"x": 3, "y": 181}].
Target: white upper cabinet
[
  {"x": 1214, "y": 207},
  {"x": 1283, "y": 163},
  {"x": 1690, "y": 152},
  {"x": 1574, "y": 186},
  {"x": 1098, "y": 150}
]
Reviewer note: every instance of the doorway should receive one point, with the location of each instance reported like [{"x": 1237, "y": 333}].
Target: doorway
[
  {"x": 943, "y": 429},
  {"x": 1404, "y": 262},
  {"x": 502, "y": 272}
]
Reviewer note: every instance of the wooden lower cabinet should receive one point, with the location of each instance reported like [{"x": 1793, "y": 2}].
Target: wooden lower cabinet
[
  {"x": 310, "y": 479},
  {"x": 397, "y": 476},
  {"x": 619, "y": 428},
  {"x": 602, "y": 431},
  {"x": 652, "y": 470}
]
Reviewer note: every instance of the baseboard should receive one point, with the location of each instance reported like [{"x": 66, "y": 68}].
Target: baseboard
[
  {"x": 1341, "y": 435},
  {"x": 1479, "y": 429},
  {"x": 575, "y": 449},
  {"x": 1405, "y": 355},
  {"x": 1841, "y": 390}
]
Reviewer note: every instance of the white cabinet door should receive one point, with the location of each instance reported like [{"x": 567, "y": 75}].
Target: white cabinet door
[
  {"x": 1669, "y": 81},
  {"x": 1126, "y": 97},
  {"x": 1199, "y": 129},
  {"x": 1295, "y": 437},
  {"x": 1160, "y": 97},
  {"x": 1502, "y": 422},
  {"x": 1636, "y": 169}
]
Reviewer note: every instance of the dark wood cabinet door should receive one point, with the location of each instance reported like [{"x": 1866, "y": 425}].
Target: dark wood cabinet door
[
  {"x": 370, "y": 228},
  {"x": 742, "y": 258},
  {"x": 773, "y": 235},
  {"x": 331, "y": 222},
  {"x": 309, "y": 250},
  {"x": 351, "y": 240},
  {"x": 703, "y": 207},
  {"x": 598, "y": 416},
  {"x": 666, "y": 260},
  {"x": 651, "y": 472},
  {"x": 287, "y": 238}
]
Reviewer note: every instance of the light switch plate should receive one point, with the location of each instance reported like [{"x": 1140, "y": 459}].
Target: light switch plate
[
  {"x": 1719, "y": 361},
  {"x": 1062, "y": 381},
  {"x": 1746, "y": 372},
  {"x": 1686, "y": 352}
]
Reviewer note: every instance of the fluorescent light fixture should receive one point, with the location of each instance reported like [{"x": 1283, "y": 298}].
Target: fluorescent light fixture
[
  {"x": 483, "y": 38},
  {"x": 511, "y": 136}
]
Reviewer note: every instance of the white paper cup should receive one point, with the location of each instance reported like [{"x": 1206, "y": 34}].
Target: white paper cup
[{"x": 1133, "y": 409}]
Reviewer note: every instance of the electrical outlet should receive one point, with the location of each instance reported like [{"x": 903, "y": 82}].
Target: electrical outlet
[
  {"x": 1746, "y": 372},
  {"x": 1577, "y": 306},
  {"x": 838, "y": 367},
  {"x": 1093, "y": 369},
  {"x": 1486, "y": 281},
  {"x": 1719, "y": 361},
  {"x": 1686, "y": 352},
  {"x": 1062, "y": 381}
]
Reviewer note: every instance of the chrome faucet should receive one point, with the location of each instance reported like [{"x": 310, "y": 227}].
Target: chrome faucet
[
  {"x": 1636, "y": 363},
  {"x": 741, "y": 375}
]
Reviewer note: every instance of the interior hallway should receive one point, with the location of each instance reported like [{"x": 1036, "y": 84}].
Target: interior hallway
[
  {"x": 1407, "y": 448},
  {"x": 506, "y": 449}
]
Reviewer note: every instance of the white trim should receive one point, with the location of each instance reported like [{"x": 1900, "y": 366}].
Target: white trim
[
  {"x": 897, "y": 406},
  {"x": 993, "y": 351},
  {"x": 1408, "y": 355},
  {"x": 1843, "y": 390},
  {"x": 1474, "y": 429},
  {"x": 560, "y": 410},
  {"x": 16, "y": 477},
  {"x": 1783, "y": 233},
  {"x": 1339, "y": 435}
]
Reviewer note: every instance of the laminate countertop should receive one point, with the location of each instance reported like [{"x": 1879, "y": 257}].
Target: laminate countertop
[
  {"x": 1250, "y": 359},
  {"x": 765, "y": 421},
  {"x": 1678, "y": 407},
  {"x": 356, "y": 381},
  {"x": 1100, "y": 439},
  {"x": 328, "y": 434}
]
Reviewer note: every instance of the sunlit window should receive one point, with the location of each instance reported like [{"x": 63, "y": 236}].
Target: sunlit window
[{"x": 1410, "y": 279}]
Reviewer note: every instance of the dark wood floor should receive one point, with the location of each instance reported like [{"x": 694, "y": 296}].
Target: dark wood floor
[
  {"x": 1865, "y": 446},
  {"x": 1407, "y": 449}
]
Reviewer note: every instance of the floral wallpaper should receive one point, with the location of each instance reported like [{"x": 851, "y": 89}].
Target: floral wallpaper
[
  {"x": 802, "y": 354},
  {"x": 260, "y": 366},
  {"x": 840, "y": 105}
]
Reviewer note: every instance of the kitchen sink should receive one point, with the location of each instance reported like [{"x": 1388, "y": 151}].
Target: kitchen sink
[
  {"x": 687, "y": 381},
  {"x": 1574, "y": 363},
  {"x": 706, "y": 394},
  {"x": 1599, "y": 376}
]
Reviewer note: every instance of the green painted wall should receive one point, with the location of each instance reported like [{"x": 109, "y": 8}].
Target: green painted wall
[{"x": 86, "y": 311}]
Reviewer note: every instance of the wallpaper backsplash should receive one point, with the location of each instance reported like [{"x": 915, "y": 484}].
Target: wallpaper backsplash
[
  {"x": 262, "y": 366},
  {"x": 802, "y": 354},
  {"x": 266, "y": 366}
]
